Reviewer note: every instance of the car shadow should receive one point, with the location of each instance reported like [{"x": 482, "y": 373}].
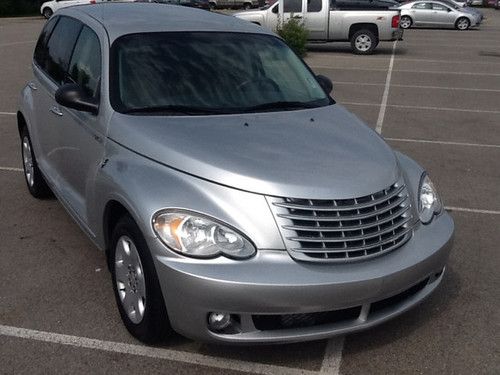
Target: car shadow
[{"x": 345, "y": 49}]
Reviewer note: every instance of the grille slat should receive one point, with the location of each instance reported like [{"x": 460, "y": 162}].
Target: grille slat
[
  {"x": 335, "y": 207},
  {"x": 350, "y": 238},
  {"x": 344, "y": 230},
  {"x": 338, "y": 216}
]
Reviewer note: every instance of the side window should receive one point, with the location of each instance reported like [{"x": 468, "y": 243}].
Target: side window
[
  {"x": 440, "y": 7},
  {"x": 60, "y": 46},
  {"x": 85, "y": 65},
  {"x": 422, "y": 6},
  {"x": 314, "y": 5},
  {"x": 293, "y": 6},
  {"x": 41, "y": 50}
]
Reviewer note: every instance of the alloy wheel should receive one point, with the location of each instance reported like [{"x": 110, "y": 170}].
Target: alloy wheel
[
  {"x": 130, "y": 280},
  {"x": 363, "y": 43},
  {"x": 29, "y": 169}
]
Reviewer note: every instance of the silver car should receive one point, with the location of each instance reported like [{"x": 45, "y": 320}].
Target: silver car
[
  {"x": 235, "y": 200},
  {"x": 437, "y": 14}
]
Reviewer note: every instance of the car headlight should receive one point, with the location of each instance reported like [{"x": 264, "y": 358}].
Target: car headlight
[
  {"x": 429, "y": 203},
  {"x": 198, "y": 236}
]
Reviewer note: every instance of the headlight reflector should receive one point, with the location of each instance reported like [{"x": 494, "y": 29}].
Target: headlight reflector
[
  {"x": 198, "y": 236},
  {"x": 429, "y": 202}
]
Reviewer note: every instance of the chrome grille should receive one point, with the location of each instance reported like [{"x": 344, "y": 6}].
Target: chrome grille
[{"x": 342, "y": 230}]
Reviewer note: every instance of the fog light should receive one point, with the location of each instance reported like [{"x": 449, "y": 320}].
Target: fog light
[{"x": 218, "y": 321}]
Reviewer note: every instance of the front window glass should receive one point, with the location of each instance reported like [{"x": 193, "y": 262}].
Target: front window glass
[
  {"x": 292, "y": 6},
  {"x": 209, "y": 72},
  {"x": 422, "y": 6},
  {"x": 85, "y": 65}
]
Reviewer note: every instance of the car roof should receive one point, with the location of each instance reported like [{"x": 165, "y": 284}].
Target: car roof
[{"x": 130, "y": 18}]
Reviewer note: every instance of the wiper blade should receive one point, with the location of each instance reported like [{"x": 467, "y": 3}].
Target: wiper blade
[
  {"x": 280, "y": 105},
  {"x": 187, "y": 110}
]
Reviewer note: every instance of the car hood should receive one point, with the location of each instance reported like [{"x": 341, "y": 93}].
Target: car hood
[{"x": 316, "y": 153}]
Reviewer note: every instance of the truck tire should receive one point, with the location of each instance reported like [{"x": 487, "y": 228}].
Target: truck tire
[{"x": 363, "y": 42}]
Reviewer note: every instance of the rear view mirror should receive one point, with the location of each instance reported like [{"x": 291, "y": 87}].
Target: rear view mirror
[
  {"x": 72, "y": 96},
  {"x": 325, "y": 83}
]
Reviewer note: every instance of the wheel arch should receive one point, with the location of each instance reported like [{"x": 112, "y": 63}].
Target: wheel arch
[{"x": 354, "y": 28}]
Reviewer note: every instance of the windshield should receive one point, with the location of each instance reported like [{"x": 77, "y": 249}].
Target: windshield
[{"x": 202, "y": 73}]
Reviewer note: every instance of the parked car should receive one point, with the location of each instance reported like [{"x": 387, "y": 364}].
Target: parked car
[
  {"x": 50, "y": 7},
  {"x": 235, "y": 200},
  {"x": 235, "y": 4},
  {"x": 464, "y": 7},
  {"x": 363, "y": 28},
  {"x": 200, "y": 4},
  {"x": 437, "y": 14}
]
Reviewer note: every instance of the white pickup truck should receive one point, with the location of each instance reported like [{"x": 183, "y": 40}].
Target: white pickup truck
[{"x": 331, "y": 21}]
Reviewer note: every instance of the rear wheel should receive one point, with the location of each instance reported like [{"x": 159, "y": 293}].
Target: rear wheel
[
  {"x": 135, "y": 283},
  {"x": 462, "y": 23},
  {"x": 247, "y": 6},
  {"x": 363, "y": 42},
  {"x": 406, "y": 22},
  {"x": 34, "y": 178},
  {"x": 47, "y": 13}
]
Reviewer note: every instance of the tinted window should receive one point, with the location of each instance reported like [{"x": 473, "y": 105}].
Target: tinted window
[
  {"x": 227, "y": 72},
  {"x": 422, "y": 6},
  {"x": 294, "y": 6},
  {"x": 85, "y": 65},
  {"x": 344, "y": 4},
  {"x": 60, "y": 46},
  {"x": 314, "y": 5},
  {"x": 41, "y": 51},
  {"x": 439, "y": 7}
]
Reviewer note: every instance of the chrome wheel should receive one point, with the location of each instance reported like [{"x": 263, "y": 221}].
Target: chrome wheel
[
  {"x": 29, "y": 169},
  {"x": 463, "y": 24},
  {"x": 363, "y": 43},
  {"x": 405, "y": 22},
  {"x": 130, "y": 279}
]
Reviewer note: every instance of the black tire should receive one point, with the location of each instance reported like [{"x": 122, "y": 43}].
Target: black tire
[
  {"x": 407, "y": 24},
  {"x": 463, "y": 20},
  {"x": 47, "y": 13},
  {"x": 35, "y": 181},
  {"x": 247, "y": 6},
  {"x": 368, "y": 46},
  {"x": 154, "y": 326},
  {"x": 212, "y": 6}
]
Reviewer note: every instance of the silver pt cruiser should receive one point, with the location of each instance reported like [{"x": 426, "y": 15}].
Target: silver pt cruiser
[{"x": 235, "y": 200}]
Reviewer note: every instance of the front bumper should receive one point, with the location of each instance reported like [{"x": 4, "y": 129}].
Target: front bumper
[{"x": 272, "y": 283}]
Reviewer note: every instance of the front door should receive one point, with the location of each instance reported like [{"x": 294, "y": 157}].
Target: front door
[
  {"x": 422, "y": 14},
  {"x": 82, "y": 135}
]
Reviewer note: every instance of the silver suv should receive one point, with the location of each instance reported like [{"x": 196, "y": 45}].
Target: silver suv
[{"x": 235, "y": 200}]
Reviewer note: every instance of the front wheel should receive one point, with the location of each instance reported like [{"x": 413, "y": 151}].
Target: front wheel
[
  {"x": 405, "y": 22},
  {"x": 47, "y": 13},
  {"x": 135, "y": 283},
  {"x": 462, "y": 23},
  {"x": 363, "y": 42}
]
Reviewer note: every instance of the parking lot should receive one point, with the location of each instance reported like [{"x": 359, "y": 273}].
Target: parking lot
[{"x": 434, "y": 96}]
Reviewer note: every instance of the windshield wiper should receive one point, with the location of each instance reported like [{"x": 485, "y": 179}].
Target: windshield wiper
[
  {"x": 281, "y": 105},
  {"x": 183, "y": 109}
]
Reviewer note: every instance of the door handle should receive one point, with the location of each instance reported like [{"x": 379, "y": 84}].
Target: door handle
[
  {"x": 32, "y": 86},
  {"x": 56, "y": 111}
]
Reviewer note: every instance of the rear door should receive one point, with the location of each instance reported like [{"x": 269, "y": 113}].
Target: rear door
[
  {"x": 422, "y": 13},
  {"x": 316, "y": 19},
  {"x": 50, "y": 74}
]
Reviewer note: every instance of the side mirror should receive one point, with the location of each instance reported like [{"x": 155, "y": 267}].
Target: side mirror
[
  {"x": 325, "y": 83},
  {"x": 71, "y": 95}
]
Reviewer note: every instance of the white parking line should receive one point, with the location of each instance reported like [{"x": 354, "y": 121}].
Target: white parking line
[
  {"x": 441, "y": 142},
  {"x": 385, "y": 95},
  {"x": 472, "y": 210},
  {"x": 414, "y": 86},
  {"x": 333, "y": 357},
  {"x": 11, "y": 169},
  {"x": 404, "y": 70},
  {"x": 423, "y": 107},
  {"x": 7, "y": 114},
  {"x": 17, "y": 43},
  {"x": 150, "y": 352}
]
